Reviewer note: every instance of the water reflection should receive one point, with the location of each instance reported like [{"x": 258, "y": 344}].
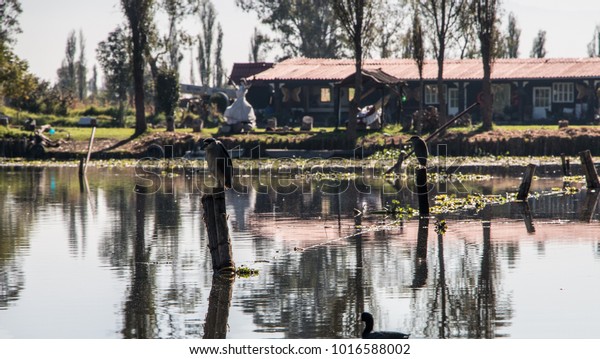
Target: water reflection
[
  {"x": 219, "y": 301},
  {"x": 323, "y": 259}
]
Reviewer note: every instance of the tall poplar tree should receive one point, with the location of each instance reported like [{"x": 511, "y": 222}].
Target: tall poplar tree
[{"x": 138, "y": 14}]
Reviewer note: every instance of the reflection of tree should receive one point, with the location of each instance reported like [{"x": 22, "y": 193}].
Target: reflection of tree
[
  {"x": 20, "y": 199},
  {"x": 588, "y": 207},
  {"x": 358, "y": 276},
  {"x": 455, "y": 284},
  {"x": 315, "y": 299},
  {"x": 320, "y": 292},
  {"x": 441, "y": 289},
  {"x": 466, "y": 298},
  {"x": 420, "y": 274},
  {"x": 140, "y": 312},
  {"x": 486, "y": 294}
]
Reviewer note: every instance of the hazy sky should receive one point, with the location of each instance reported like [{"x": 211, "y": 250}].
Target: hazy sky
[{"x": 47, "y": 23}]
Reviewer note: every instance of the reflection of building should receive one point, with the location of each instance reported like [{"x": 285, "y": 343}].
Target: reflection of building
[{"x": 524, "y": 89}]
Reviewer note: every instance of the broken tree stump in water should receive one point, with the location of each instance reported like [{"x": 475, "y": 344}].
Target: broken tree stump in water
[
  {"x": 423, "y": 196},
  {"x": 219, "y": 241},
  {"x": 526, "y": 183},
  {"x": 591, "y": 176},
  {"x": 566, "y": 166}
]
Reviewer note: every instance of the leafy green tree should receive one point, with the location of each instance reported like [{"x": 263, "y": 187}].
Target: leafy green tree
[
  {"x": 93, "y": 83},
  {"x": 594, "y": 45},
  {"x": 21, "y": 89},
  {"x": 306, "y": 28},
  {"x": 356, "y": 17},
  {"x": 442, "y": 17},
  {"x": 389, "y": 21},
  {"x": 192, "y": 65},
  {"x": 260, "y": 44},
  {"x": 167, "y": 91},
  {"x": 208, "y": 16},
  {"x": 15, "y": 81},
  {"x": 486, "y": 19},
  {"x": 114, "y": 57},
  {"x": 210, "y": 49},
  {"x": 81, "y": 69},
  {"x": 9, "y": 23},
  {"x": 513, "y": 37},
  {"x": 539, "y": 45},
  {"x": 139, "y": 17},
  {"x": 175, "y": 10},
  {"x": 418, "y": 54},
  {"x": 465, "y": 35},
  {"x": 219, "y": 69},
  {"x": 67, "y": 73}
]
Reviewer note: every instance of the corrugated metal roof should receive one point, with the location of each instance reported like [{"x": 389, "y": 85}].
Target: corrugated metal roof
[
  {"x": 247, "y": 70},
  {"x": 406, "y": 69},
  {"x": 376, "y": 75}
]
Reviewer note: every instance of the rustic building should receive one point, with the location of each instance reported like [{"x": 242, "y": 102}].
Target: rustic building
[{"x": 525, "y": 90}]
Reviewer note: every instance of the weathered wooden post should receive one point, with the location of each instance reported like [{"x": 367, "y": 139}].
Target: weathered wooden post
[
  {"x": 90, "y": 144},
  {"x": 422, "y": 195},
  {"x": 566, "y": 166},
  {"x": 81, "y": 170},
  {"x": 591, "y": 176},
  {"x": 213, "y": 201},
  {"x": 219, "y": 241},
  {"x": 526, "y": 183}
]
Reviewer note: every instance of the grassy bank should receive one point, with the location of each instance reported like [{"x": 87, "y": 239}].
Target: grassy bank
[{"x": 503, "y": 140}]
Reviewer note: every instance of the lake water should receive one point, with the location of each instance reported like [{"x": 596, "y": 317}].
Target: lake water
[{"x": 110, "y": 263}]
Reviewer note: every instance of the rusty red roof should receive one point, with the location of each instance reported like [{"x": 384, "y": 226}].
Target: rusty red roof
[
  {"x": 406, "y": 69},
  {"x": 247, "y": 70}
]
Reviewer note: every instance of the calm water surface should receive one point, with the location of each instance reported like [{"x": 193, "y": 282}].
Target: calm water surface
[{"x": 115, "y": 264}]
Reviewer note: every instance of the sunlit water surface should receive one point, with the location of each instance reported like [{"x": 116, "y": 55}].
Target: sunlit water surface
[{"x": 110, "y": 263}]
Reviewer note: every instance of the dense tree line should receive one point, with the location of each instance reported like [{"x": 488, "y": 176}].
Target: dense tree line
[
  {"x": 19, "y": 88},
  {"x": 139, "y": 57}
]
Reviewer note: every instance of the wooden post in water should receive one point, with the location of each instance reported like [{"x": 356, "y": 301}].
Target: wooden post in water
[
  {"x": 219, "y": 242},
  {"x": 526, "y": 183},
  {"x": 421, "y": 178},
  {"x": 566, "y": 166},
  {"x": 89, "y": 153},
  {"x": 591, "y": 176},
  {"x": 81, "y": 165}
]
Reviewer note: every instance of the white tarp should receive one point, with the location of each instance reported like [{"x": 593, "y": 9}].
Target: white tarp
[{"x": 240, "y": 110}]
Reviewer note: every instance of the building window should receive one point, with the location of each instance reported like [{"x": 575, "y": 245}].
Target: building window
[
  {"x": 431, "y": 95},
  {"x": 452, "y": 99},
  {"x": 562, "y": 92},
  {"x": 541, "y": 97},
  {"x": 325, "y": 95},
  {"x": 350, "y": 94}
]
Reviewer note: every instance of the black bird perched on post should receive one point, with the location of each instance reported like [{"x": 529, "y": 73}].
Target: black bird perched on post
[
  {"x": 420, "y": 149},
  {"x": 219, "y": 161},
  {"x": 369, "y": 334}
]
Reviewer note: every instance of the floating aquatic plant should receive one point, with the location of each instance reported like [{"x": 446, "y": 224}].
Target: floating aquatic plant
[
  {"x": 579, "y": 179},
  {"x": 404, "y": 212},
  {"x": 450, "y": 203},
  {"x": 246, "y": 272},
  {"x": 441, "y": 227},
  {"x": 450, "y": 177}
]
